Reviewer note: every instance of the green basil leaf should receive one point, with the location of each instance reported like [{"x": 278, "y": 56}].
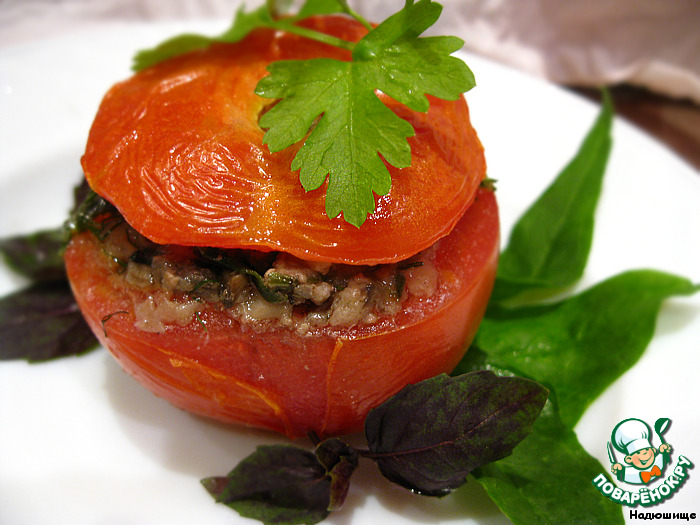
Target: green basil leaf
[
  {"x": 277, "y": 484},
  {"x": 579, "y": 346},
  {"x": 36, "y": 256},
  {"x": 43, "y": 322},
  {"x": 547, "y": 479},
  {"x": 556, "y": 486},
  {"x": 431, "y": 435},
  {"x": 549, "y": 245}
]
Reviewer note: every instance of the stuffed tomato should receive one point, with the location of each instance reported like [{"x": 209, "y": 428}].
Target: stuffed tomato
[{"x": 221, "y": 285}]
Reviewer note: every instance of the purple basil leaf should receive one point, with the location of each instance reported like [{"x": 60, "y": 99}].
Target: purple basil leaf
[
  {"x": 277, "y": 484},
  {"x": 37, "y": 255},
  {"x": 431, "y": 435},
  {"x": 43, "y": 322},
  {"x": 340, "y": 461}
]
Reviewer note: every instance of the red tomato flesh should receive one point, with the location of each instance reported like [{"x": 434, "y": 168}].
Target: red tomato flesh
[
  {"x": 178, "y": 150},
  {"x": 326, "y": 381}
]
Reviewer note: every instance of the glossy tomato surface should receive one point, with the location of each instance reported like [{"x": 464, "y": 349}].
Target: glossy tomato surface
[
  {"x": 178, "y": 150},
  {"x": 325, "y": 381}
]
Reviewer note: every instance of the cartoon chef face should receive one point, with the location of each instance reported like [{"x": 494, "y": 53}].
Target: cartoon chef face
[{"x": 642, "y": 459}]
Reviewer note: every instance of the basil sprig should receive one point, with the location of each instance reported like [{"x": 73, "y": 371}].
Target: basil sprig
[
  {"x": 427, "y": 438},
  {"x": 41, "y": 321}
]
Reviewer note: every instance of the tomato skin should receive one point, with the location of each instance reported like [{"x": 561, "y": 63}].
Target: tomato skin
[
  {"x": 325, "y": 381},
  {"x": 178, "y": 150}
]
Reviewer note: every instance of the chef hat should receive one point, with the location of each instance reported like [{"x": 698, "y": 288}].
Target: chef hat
[{"x": 631, "y": 435}]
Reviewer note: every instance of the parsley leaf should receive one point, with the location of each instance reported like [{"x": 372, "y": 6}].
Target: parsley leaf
[
  {"x": 172, "y": 47},
  {"x": 243, "y": 24},
  {"x": 405, "y": 66},
  {"x": 350, "y": 126},
  {"x": 322, "y": 7},
  {"x": 333, "y": 105},
  {"x": 354, "y": 127}
]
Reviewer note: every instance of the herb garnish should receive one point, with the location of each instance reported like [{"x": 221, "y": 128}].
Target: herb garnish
[
  {"x": 271, "y": 15},
  {"x": 521, "y": 487},
  {"x": 41, "y": 321},
  {"x": 548, "y": 247},
  {"x": 576, "y": 347},
  {"x": 427, "y": 438},
  {"x": 36, "y": 256},
  {"x": 529, "y": 339},
  {"x": 332, "y": 105}
]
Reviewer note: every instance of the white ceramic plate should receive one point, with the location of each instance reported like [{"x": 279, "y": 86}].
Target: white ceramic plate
[{"x": 81, "y": 443}]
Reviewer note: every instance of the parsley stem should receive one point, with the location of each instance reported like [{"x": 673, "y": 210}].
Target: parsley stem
[
  {"x": 357, "y": 16},
  {"x": 273, "y": 8},
  {"x": 284, "y": 25}
]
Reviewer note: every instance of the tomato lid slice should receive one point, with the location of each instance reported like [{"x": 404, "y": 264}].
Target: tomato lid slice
[{"x": 178, "y": 150}]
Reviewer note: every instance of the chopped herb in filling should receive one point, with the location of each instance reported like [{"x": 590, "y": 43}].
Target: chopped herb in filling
[{"x": 254, "y": 287}]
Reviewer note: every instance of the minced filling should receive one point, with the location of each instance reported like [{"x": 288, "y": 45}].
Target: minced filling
[{"x": 260, "y": 289}]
